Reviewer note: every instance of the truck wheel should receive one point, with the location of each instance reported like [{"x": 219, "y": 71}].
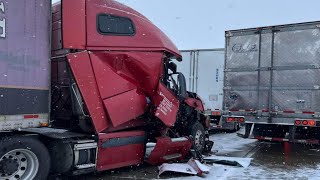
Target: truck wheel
[
  {"x": 198, "y": 134},
  {"x": 23, "y": 158}
]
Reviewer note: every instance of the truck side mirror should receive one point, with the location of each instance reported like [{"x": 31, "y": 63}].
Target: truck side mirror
[
  {"x": 173, "y": 67},
  {"x": 182, "y": 90}
]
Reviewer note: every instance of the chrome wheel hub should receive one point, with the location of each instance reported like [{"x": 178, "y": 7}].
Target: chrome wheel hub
[
  {"x": 198, "y": 139},
  {"x": 18, "y": 164}
]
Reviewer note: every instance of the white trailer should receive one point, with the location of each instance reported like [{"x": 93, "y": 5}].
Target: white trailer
[{"x": 204, "y": 72}]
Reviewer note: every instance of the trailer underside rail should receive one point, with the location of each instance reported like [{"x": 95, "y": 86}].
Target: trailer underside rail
[
  {"x": 55, "y": 133},
  {"x": 304, "y": 141}
]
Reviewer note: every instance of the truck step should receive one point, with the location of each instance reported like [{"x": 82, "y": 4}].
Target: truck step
[{"x": 85, "y": 166}]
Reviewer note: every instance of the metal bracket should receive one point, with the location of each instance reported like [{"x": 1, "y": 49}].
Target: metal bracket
[
  {"x": 85, "y": 146},
  {"x": 78, "y": 99}
]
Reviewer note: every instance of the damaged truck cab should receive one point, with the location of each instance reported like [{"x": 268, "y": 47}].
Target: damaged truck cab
[{"x": 115, "y": 95}]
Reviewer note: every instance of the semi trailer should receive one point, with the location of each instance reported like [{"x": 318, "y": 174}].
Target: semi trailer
[
  {"x": 87, "y": 86},
  {"x": 272, "y": 78},
  {"x": 204, "y": 72}
]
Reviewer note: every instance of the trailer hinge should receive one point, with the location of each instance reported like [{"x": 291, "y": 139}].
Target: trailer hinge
[
  {"x": 275, "y": 30},
  {"x": 229, "y": 34}
]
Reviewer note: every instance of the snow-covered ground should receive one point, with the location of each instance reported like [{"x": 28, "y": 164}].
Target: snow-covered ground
[
  {"x": 220, "y": 172},
  {"x": 262, "y": 167},
  {"x": 225, "y": 143},
  {"x": 269, "y": 161}
]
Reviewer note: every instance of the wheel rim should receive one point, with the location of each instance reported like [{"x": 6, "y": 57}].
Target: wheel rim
[
  {"x": 26, "y": 165},
  {"x": 198, "y": 139}
]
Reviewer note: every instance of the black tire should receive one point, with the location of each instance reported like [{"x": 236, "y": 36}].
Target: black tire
[
  {"x": 198, "y": 141},
  {"x": 12, "y": 143}
]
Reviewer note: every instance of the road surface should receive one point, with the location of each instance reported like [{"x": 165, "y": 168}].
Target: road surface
[{"x": 270, "y": 161}]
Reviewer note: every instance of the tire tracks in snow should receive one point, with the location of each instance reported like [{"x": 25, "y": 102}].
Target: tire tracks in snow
[{"x": 256, "y": 148}]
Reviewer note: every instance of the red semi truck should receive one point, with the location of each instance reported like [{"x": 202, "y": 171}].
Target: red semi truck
[{"x": 85, "y": 85}]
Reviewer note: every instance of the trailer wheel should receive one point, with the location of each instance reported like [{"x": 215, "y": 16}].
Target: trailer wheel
[
  {"x": 23, "y": 158},
  {"x": 198, "y": 134}
]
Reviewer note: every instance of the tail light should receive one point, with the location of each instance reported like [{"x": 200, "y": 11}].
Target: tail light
[
  {"x": 44, "y": 124},
  {"x": 215, "y": 113},
  {"x": 311, "y": 122},
  {"x": 305, "y": 122},
  {"x": 235, "y": 119}
]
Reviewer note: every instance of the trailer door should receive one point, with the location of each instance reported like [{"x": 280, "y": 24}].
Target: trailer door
[
  {"x": 209, "y": 79},
  {"x": 273, "y": 71},
  {"x": 241, "y": 75},
  {"x": 295, "y": 71}
]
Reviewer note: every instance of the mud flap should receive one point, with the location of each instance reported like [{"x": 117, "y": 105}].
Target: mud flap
[
  {"x": 167, "y": 149},
  {"x": 251, "y": 131},
  {"x": 248, "y": 132},
  {"x": 193, "y": 167},
  {"x": 292, "y": 132}
]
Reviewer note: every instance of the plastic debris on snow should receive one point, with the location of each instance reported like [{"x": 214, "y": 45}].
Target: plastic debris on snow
[
  {"x": 193, "y": 167},
  {"x": 235, "y": 161}
]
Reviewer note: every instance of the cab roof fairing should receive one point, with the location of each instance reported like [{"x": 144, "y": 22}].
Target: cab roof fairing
[{"x": 164, "y": 41}]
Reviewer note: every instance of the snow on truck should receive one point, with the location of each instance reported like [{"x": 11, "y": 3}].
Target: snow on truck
[
  {"x": 204, "y": 69},
  {"x": 85, "y": 85},
  {"x": 272, "y": 78}
]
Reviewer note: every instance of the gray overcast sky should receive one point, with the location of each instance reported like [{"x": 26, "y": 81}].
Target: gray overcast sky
[{"x": 194, "y": 24}]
